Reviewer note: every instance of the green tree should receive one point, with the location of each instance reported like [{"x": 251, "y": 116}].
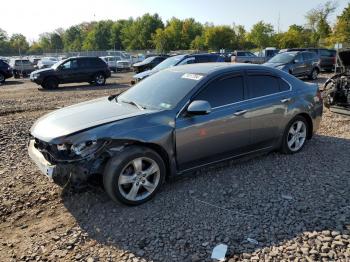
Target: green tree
[
  {"x": 99, "y": 37},
  {"x": 4, "y": 43},
  {"x": 19, "y": 43},
  {"x": 137, "y": 34},
  {"x": 341, "y": 33},
  {"x": 261, "y": 34},
  {"x": 73, "y": 38},
  {"x": 116, "y": 34},
  {"x": 217, "y": 37}
]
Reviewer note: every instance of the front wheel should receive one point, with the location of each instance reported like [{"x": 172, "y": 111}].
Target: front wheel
[
  {"x": 295, "y": 135},
  {"x": 313, "y": 75},
  {"x": 50, "y": 83},
  {"x": 2, "y": 78},
  {"x": 134, "y": 176},
  {"x": 99, "y": 79}
]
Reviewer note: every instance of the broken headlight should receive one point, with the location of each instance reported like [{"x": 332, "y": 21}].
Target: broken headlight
[{"x": 82, "y": 149}]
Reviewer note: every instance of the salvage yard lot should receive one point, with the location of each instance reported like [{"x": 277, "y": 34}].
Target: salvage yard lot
[{"x": 294, "y": 206}]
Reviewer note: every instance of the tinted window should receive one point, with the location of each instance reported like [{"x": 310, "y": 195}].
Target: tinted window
[
  {"x": 262, "y": 85},
  {"x": 307, "y": 56},
  {"x": 202, "y": 59},
  {"x": 85, "y": 62},
  {"x": 71, "y": 64},
  {"x": 284, "y": 86},
  {"x": 327, "y": 53},
  {"x": 189, "y": 60},
  {"x": 222, "y": 92},
  {"x": 299, "y": 58}
]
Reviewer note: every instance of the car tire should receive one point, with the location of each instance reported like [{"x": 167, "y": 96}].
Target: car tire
[
  {"x": 134, "y": 176},
  {"x": 313, "y": 75},
  {"x": 50, "y": 83},
  {"x": 99, "y": 79},
  {"x": 2, "y": 78},
  {"x": 295, "y": 135}
]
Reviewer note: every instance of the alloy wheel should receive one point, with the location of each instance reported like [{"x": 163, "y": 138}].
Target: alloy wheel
[
  {"x": 296, "y": 136},
  {"x": 100, "y": 79},
  {"x": 139, "y": 178}
]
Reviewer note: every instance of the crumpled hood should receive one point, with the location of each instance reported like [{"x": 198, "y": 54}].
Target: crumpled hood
[
  {"x": 344, "y": 57},
  {"x": 82, "y": 116},
  {"x": 144, "y": 74}
]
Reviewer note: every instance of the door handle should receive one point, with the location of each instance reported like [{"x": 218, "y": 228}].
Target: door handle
[
  {"x": 240, "y": 112},
  {"x": 285, "y": 100}
]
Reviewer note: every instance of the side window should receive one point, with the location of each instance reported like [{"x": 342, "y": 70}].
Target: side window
[
  {"x": 305, "y": 56},
  {"x": 299, "y": 58},
  {"x": 262, "y": 85},
  {"x": 223, "y": 91},
  {"x": 284, "y": 86},
  {"x": 71, "y": 64},
  {"x": 84, "y": 63}
]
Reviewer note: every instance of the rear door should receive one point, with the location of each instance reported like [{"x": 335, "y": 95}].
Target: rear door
[
  {"x": 299, "y": 66},
  {"x": 269, "y": 97},
  {"x": 223, "y": 132}
]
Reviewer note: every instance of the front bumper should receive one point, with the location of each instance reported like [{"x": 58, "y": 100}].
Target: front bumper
[{"x": 44, "y": 166}]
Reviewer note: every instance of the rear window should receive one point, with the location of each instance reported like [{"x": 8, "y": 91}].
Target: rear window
[
  {"x": 262, "y": 85},
  {"x": 327, "y": 53},
  {"x": 22, "y": 62}
]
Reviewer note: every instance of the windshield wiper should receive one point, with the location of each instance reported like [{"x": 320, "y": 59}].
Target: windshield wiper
[{"x": 132, "y": 103}]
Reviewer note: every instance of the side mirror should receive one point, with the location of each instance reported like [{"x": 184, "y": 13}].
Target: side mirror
[{"x": 199, "y": 107}]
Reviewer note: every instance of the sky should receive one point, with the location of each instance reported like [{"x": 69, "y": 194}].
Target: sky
[{"x": 33, "y": 17}]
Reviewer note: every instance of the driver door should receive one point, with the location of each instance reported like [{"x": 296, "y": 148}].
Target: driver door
[
  {"x": 69, "y": 71},
  {"x": 222, "y": 133}
]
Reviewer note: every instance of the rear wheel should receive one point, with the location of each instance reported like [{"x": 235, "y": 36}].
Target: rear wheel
[
  {"x": 295, "y": 135},
  {"x": 99, "y": 79},
  {"x": 2, "y": 78},
  {"x": 50, "y": 83},
  {"x": 134, "y": 176}
]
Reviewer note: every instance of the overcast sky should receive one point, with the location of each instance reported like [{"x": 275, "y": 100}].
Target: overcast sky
[{"x": 33, "y": 17}]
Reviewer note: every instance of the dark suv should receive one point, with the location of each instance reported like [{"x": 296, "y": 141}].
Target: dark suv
[
  {"x": 148, "y": 63},
  {"x": 73, "y": 70},
  {"x": 5, "y": 71},
  {"x": 297, "y": 63}
]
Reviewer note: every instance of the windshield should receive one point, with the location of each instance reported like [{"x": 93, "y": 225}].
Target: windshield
[
  {"x": 56, "y": 65},
  {"x": 163, "y": 90},
  {"x": 169, "y": 62},
  {"x": 282, "y": 58}
]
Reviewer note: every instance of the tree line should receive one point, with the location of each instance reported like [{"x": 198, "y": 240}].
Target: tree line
[{"x": 150, "y": 32}]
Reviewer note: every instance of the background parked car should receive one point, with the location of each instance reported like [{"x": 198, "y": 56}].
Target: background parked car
[
  {"x": 246, "y": 57},
  {"x": 327, "y": 57},
  {"x": 73, "y": 70},
  {"x": 148, "y": 63},
  {"x": 21, "y": 67},
  {"x": 47, "y": 62},
  {"x": 5, "y": 71},
  {"x": 180, "y": 60},
  {"x": 116, "y": 63},
  {"x": 297, "y": 63}
]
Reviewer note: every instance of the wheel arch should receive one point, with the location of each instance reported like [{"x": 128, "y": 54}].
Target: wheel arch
[
  {"x": 155, "y": 147},
  {"x": 309, "y": 122}
]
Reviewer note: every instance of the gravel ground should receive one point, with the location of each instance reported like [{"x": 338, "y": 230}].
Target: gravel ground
[{"x": 295, "y": 207}]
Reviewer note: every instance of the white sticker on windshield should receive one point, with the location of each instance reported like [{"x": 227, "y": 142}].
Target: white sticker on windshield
[{"x": 192, "y": 76}]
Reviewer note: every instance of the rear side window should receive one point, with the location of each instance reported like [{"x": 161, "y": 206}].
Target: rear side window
[
  {"x": 262, "y": 85},
  {"x": 223, "y": 91},
  {"x": 202, "y": 59}
]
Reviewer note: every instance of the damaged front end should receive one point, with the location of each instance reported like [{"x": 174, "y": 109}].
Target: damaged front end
[
  {"x": 73, "y": 163},
  {"x": 336, "y": 90}
]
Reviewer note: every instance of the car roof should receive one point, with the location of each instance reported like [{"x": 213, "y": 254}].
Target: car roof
[{"x": 209, "y": 68}]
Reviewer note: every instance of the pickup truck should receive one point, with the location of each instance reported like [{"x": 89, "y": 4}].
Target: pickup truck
[{"x": 248, "y": 57}]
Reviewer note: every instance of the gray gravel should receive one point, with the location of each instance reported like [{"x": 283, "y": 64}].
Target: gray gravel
[{"x": 295, "y": 207}]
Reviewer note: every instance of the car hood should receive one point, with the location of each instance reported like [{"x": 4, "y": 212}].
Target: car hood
[
  {"x": 344, "y": 57},
  {"x": 82, "y": 116},
  {"x": 274, "y": 65},
  {"x": 144, "y": 74},
  {"x": 141, "y": 63},
  {"x": 45, "y": 70}
]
